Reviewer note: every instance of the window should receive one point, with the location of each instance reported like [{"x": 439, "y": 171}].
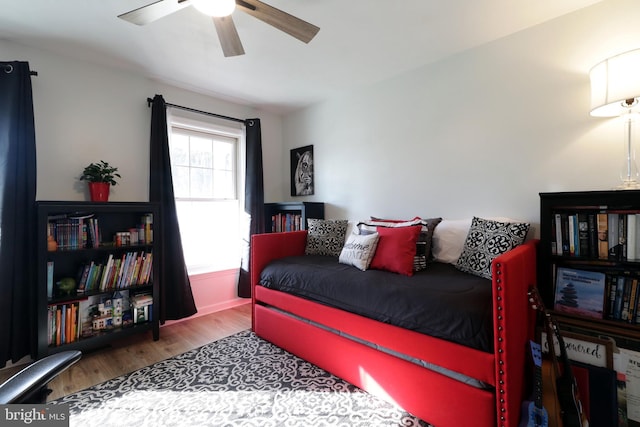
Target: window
[{"x": 204, "y": 165}]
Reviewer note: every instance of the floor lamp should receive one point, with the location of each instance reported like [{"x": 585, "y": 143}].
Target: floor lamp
[{"x": 615, "y": 91}]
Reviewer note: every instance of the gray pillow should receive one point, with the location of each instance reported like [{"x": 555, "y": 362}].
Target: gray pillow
[
  {"x": 427, "y": 236},
  {"x": 325, "y": 236},
  {"x": 486, "y": 240}
]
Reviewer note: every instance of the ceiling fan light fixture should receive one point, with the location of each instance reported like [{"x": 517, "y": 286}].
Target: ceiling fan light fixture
[{"x": 215, "y": 8}]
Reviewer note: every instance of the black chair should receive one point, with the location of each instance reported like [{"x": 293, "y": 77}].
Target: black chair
[{"x": 30, "y": 384}]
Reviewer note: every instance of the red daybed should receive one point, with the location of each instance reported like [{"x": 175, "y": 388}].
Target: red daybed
[{"x": 288, "y": 321}]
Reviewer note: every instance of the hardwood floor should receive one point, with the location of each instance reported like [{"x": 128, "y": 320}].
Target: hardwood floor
[{"x": 138, "y": 351}]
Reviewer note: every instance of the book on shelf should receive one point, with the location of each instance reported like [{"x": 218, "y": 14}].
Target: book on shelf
[
  {"x": 147, "y": 221},
  {"x": 580, "y": 292},
  {"x": 141, "y": 300},
  {"x": 50, "y": 266},
  {"x": 130, "y": 269},
  {"x": 622, "y": 234},
  {"x": 614, "y": 250},
  {"x": 556, "y": 238},
  {"x": 579, "y": 237},
  {"x": 630, "y": 238},
  {"x": 282, "y": 222},
  {"x": 106, "y": 275},
  {"x": 612, "y": 235},
  {"x": 603, "y": 235},
  {"x": 63, "y": 325},
  {"x": 72, "y": 231},
  {"x": 141, "y": 307},
  {"x": 592, "y": 234},
  {"x": 571, "y": 220},
  {"x": 614, "y": 293},
  {"x": 623, "y": 297},
  {"x": 629, "y": 311},
  {"x": 94, "y": 233},
  {"x": 584, "y": 240},
  {"x": 566, "y": 242},
  {"x": 83, "y": 231}
]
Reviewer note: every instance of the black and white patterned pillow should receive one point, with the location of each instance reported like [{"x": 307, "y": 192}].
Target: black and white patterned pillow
[
  {"x": 325, "y": 236},
  {"x": 486, "y": 240}
]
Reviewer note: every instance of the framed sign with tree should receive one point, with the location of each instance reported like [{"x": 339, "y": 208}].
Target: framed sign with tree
[{"x": 302, "y": 183}]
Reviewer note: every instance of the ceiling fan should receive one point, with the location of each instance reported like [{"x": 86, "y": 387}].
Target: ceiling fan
[{"x": 225, "y": 27}]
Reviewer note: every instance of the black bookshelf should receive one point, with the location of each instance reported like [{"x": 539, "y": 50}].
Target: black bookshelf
[
  {"x": 291, "y": 216},
  {"x": 614, "y": 261},
  {"x": 124, "y": 237}
]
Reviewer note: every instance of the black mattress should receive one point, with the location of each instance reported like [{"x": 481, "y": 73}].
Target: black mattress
[{"x": 440, "y": 301}]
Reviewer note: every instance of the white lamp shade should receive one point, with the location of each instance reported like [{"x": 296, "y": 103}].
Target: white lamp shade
[
  {"x": 613, "y": 81},
  {"x": 217, "y": 8}
]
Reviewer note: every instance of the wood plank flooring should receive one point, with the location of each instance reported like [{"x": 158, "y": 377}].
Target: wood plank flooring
[{"x": 138, "y": 351}]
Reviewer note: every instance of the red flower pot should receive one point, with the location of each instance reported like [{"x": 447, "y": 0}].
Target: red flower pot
[{"x": 99, "y": 191}]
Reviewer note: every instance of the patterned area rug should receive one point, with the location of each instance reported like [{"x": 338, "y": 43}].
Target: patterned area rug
[{"x": 240, "y": 380}]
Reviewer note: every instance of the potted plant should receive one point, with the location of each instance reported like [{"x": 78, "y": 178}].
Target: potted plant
[{"x": 100, "y": 177}]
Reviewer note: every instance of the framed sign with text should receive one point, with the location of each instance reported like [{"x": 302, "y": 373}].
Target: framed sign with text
[{"x": 584, "y": 348}]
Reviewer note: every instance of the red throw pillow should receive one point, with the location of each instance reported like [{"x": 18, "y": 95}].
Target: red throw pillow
[{"x": 396, "y": 249}]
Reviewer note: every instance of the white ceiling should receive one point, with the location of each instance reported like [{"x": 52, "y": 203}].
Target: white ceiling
[{"x": 360, "y": 42}]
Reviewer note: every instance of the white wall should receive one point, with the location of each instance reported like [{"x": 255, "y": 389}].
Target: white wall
[
  {"x": 481, "y": 133},
  {"x": 85, "y": 113}
]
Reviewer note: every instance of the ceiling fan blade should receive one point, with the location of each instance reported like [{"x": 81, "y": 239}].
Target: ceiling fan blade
[
  {"x": 228, "y": 35},
  {"x": 283, "y": 21},
  {"x": 154, "y": 11}
]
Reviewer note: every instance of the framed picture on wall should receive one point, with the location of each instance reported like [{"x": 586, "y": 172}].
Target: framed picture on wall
[{"x": 302, "y": 171}]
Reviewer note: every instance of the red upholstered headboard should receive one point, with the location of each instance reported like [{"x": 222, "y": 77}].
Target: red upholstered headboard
[
  {"x": 513, "y": 325},
  {"x": 273, "y": 246}
]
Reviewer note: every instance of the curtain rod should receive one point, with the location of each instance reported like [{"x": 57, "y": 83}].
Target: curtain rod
[{"x": 193, "y": 110}]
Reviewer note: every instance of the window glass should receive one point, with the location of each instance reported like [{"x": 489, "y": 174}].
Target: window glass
[{"x": 204, "y": 166}]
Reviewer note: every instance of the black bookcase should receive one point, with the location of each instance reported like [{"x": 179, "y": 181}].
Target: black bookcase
[
  {"x": 291, "y": 216},
  {"x": 109, "y": 250},
  {"x": 603, "y": 241}
]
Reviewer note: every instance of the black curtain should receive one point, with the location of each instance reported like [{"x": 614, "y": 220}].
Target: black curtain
[
  {"x": 253, "y": 201},
  {"x": 17, "y": 213},
  {"x": 176, "y": 298}
]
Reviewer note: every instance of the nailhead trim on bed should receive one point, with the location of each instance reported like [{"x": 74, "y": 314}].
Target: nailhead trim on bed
[{"x": 500, "y": 353}]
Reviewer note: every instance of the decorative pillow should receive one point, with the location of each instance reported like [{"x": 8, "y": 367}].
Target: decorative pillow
[
  {"x": 359, "y": 249},
  {"x": 325, "y": 236},
  {"x": 487, "y": 239},
  {"x": 420, "y": 260},
  {"x": 429, "y": 226},
  {"x": 374, "y": 223},
  {"x": 424, "y": 244},
  {"x": 448, "y": 239},
  {"x": 396, "y": 249},
  {"x": 428, "y": 235}
]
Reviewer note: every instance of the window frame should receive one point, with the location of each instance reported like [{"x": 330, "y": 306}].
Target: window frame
[
  {"x": 211, "y": 126},
  {"x": 235, "y": 142}
]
